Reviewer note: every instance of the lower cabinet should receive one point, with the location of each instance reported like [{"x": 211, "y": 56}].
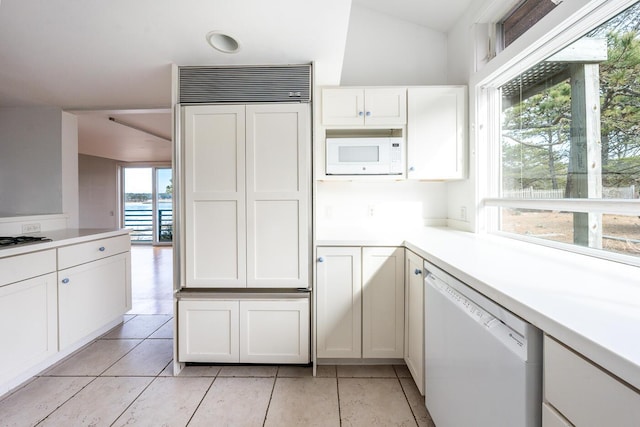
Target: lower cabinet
[
  {"x": 578, "y": 392},
  {"x": 414, "y": 318},
  {"x": 214, "y": 330},
  {"x": 360, "y": 302},
  {"x": 91, "y": 295},
  {"x": 28, "y": 324}
]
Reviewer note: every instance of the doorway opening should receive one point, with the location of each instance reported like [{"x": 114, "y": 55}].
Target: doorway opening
[{"x": 148, "y": 204}]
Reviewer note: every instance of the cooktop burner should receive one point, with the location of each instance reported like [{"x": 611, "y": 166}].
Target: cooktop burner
[{"x": 21, "y": 240}]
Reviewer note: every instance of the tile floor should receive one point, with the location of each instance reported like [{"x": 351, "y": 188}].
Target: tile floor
[{"x": 126, "y": 378}]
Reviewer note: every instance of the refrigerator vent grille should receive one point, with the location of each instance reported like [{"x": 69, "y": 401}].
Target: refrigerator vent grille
[{"x": 200, "y": 85}]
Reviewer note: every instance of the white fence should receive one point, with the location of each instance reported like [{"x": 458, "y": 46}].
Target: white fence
[
  {"x": 530, "y": 193},
  {"x": 619, "y": 192},
  {"x": 607, "y": 193}
]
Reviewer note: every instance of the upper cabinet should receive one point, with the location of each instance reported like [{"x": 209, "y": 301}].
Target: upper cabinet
[
  {"x": 436, "y": 132},
  {"x": 247, "y": 196},
  {"x": 354, "y": 107},
  {"x": 432, "y": 120}
]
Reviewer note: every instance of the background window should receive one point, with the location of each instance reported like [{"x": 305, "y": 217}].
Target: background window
[{"x": 570, "y": 140}]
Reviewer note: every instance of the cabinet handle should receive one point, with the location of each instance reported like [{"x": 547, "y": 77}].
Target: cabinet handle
[
  {"x": 368, "y": 113},
  {"x": 360, "y": 113},
  {"x": 411, "y": 168},
  {"x": 320, "y": 259},
  {"x": 65, "y": 280},
  {"x": 102, "y": 248},
  {"x": 417, "y": 272}
]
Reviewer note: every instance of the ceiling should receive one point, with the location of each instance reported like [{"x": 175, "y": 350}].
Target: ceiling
[
  {"x": 439, "y": 15},
  {"x": 102, "y": 59}
]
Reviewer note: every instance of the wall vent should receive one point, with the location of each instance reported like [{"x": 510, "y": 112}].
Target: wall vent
[{"x": 245, "y": 84}]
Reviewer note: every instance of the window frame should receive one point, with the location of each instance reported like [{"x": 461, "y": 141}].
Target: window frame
[{"x": 525, "y": 52}]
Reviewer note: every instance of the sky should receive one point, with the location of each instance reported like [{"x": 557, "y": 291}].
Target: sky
[{"x": 138, "y": 180}]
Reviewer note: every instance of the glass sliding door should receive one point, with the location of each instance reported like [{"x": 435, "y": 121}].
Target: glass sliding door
[
  {"x": 147, "y": 204},
  {"x": 163, "y": 206}
]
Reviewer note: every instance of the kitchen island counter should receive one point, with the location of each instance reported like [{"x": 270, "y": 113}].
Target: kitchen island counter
[{"x": 62, "y": 294}]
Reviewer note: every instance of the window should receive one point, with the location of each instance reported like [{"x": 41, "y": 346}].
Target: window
[
  {"x": 523, "y": 17},
  {"x": 570, "y": 145}
]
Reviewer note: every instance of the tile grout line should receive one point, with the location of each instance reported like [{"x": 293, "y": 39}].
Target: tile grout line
[
  {"x": 133, "y": 401},
  {"x": 408, "y": 403},
  {"x": 71, "y": 397},
  {"x": 201, "y": 400},
  {"x": 273, "y": 387},
  {"x": 338, "y": 395},
  {"x": 119, "y": 359}
]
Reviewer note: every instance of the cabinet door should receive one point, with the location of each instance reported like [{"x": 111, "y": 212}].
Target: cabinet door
[
  {"x": 436, "y": 132},
  {"x": 274, "y": 331},
  {"x": 92, "y": 295},
  {"x": 382, "y": 302},
  {"x": 342, "y": 107},
  {"x": 414, "y": 318},
  {"x": 214, "y": 182},
  {"x": 208, "y": 331},
  {"x": 278, "y": 181},
  {"x": 338, "y": 292},
  {"x": 385, "y": 106},
  {"x": 28, "y": 324}
]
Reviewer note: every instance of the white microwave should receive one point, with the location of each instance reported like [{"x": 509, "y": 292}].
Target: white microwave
[{"x": 365, "y": 156}]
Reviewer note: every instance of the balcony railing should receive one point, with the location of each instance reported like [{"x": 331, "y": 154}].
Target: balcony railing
[{"x": 140, "y": 221}]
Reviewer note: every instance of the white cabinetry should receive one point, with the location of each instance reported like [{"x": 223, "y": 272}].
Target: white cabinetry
[
  {"x": 414, "y": 318},
  {"x": 209, "y": 331},
  {"x": 274, "y": 331},
  {"x": 247, "y": 196},
  {"x": 94, "y": 287},
  {"x": 28, "y": 320},
  {"x": 215, "y": 330},
  {"x": 436, "y": 132},
  {"x": 364, "y": 106},
  {"x": 582, "y": 393},
  {"x": 360, "y": 302},
  {"x": 382, "y": 302},
  {"x": 338, "y": 292}
]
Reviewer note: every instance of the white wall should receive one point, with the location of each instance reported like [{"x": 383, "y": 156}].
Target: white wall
[
  {"x": 393, "y": 204},
  {"x": 69, "y": 145},
  {"x": 30, "y": 161},
  {"x": 461, "y": 63},
  {"x": 98, "y": 191},
  {"x": 382, "y": 50}
]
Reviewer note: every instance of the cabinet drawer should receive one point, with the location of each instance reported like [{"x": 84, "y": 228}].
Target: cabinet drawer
[
  {"x": 22, "y": 267},
  {"x": 81, "y": 253},
  {"x": 585, "y": 394}
]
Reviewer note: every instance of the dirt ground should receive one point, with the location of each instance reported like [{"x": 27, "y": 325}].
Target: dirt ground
[{"x": 621, "y": 233}]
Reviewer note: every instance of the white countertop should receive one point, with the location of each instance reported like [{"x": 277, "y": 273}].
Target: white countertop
[
  {"x": 63, "y": 237},
  {"x": 590, "y": 304}
]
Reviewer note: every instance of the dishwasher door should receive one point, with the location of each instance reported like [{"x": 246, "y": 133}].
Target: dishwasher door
[{"x": 482, "y": 367}]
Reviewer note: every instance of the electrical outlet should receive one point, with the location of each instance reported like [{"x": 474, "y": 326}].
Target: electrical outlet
[
  {"x": 371, "y": 210},
  {"x": 31, "y": 228},
  {"x": 463, "y": 213}
]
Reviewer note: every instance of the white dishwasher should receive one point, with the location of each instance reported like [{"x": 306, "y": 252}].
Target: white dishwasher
[{"x": 483, "y": 365}]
